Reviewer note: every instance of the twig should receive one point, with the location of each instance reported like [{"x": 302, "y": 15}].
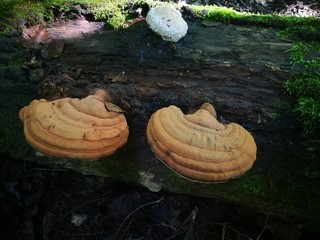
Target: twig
[
  {"x": 175, "y": 235},
  {"x": 85, "y": 234},
  {"x": 44, "y": 228},
  {"x": 192, "y": 217},
  {"x": 264, "y": 227},
  {"x": 267, "y": 218},
  {"x": 224, "y": 231},
  {"x": 127, "y": 227},
  {"x": 215, "y": 235},
  {"x": 222, "y": 224},
  {"x": 240, "y": 233},
  {"x": 136, "y": 210},
  {"x": 14, "y": 219},
  {"x": 50, "y": 169},
  {"x": 82, "y": 205}
]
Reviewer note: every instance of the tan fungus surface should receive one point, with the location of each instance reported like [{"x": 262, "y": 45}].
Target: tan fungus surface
[
  {"x": 74, "y": 128},
  {"x": 198, "y": 147}
]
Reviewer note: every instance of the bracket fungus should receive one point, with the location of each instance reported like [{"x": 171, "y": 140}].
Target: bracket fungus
[
  {"x": 199, "y": 147},
  {"x": 167, "y": 22},
  {"x": 74, "y": 128}
]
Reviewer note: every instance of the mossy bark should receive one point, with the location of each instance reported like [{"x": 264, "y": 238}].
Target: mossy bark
[{"x": 238, "y": 70}]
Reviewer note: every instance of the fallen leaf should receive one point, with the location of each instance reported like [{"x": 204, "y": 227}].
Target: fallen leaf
[{"x": 113, "y": 108}]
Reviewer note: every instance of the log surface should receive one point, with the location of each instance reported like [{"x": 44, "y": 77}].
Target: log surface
[{"x": 238, "y": 69}]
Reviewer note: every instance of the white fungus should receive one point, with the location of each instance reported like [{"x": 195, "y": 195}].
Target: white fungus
[{"x": 167, "y": 22}]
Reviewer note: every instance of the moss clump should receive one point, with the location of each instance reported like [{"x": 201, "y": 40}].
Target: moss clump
[
  {"x": 304, "y": 86},
  {"x": 111, "y": 10},
  {"x": 15, "y": 13},
  {"x": 290, "y": 25},
  {"x": 12, "y": 137}
]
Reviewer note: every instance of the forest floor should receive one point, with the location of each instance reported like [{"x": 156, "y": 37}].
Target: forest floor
[{"x": 38, "y": 202}]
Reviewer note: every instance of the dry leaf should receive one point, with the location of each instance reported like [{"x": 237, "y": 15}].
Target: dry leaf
[{"x": 113, "y": 108}]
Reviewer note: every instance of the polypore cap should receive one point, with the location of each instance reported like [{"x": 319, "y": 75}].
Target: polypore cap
[
  {"x": 167, "y": 22},
  {"x": 74, "y": 128},
  {"x": 198, "y": 147}
]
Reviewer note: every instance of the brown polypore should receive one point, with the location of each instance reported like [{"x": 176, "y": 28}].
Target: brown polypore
[
  {"x": 74, "y": 128},
  {"x": 198, "y": 147}
]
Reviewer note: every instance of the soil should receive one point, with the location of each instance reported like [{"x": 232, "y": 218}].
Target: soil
[{"x": 143, "y": 73}]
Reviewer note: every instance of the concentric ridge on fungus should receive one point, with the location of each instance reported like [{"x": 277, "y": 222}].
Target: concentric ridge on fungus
[
  {"x": 198, "y": 147},
  {"x": 74, "y": 128}
]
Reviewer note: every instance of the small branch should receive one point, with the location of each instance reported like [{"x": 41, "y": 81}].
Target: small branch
[
  {"x": 136, "y": 210},
  {"x": 50, "y": 169},
  {"x": 267, "y": 218},
  {"x": 44, "y": 228},
  {"x": 264, "y": 227},
  {"x": 192, "y": 217},
  {"x": 14, "y": 219},
  {"x": 82, "y": 205},
  {"x": 240, "y": 233},
  {"x": 224, "y": 231}
]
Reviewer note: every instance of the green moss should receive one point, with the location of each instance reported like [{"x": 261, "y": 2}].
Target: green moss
[
  {"x": 291, "y": 194},
  {"x": 18, "y": 62},
  {"x": 312, "y": 170},
  {"x": 272, "y": 192},
  {"x": 301, "y": 31},
  {"x": 228, "y": 15},
  {"x": 14, "y": 13},
  {"x": 304, "y": 86},
  {"x": 12, "y": 139},
  {"x": 112, "y": 11}
]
